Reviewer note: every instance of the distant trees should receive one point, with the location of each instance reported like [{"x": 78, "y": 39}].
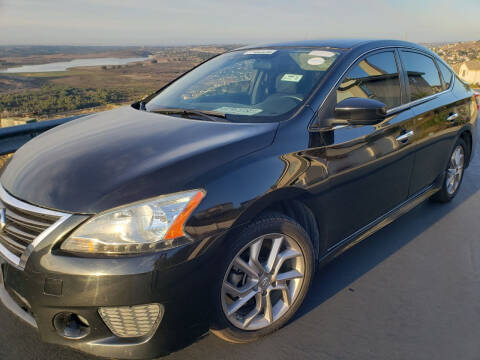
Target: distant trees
[{"x": 52, "y": 99}]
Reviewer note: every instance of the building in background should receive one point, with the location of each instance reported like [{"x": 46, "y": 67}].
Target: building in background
[{"x": 470, "y": 71}]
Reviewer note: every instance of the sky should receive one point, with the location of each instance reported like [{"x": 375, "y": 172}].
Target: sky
[{"x": 183, "y": 22}]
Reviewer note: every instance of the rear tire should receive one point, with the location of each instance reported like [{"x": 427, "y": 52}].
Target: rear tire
[
  {"x": 268, "y": 268},
  {"x": 453, "y": 173}
]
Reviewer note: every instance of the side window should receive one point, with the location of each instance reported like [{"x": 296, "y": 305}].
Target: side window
[
  {"x": 446, "y": 74},
  {"x": 422, "y": 75},
  {"x": 375, "y": 77}
]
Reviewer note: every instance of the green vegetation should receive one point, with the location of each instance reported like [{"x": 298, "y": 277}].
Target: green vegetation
[
  {"x": 83, "y": 89},
  {"x": 42, "y": 50},
  {"x": 51, "y": 99}
]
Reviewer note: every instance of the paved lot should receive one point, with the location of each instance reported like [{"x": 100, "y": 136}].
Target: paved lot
[{"x": 411, "y": 291}]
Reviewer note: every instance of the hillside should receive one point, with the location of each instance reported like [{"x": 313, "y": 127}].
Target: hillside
[
  {"x": 458, "y": 52},
  {"x": 42, "y": 95}
]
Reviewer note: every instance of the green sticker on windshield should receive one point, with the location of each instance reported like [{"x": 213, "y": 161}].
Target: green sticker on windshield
[
  {"x": 292, "y": 77},
  {"x": 238, "y": 111}
]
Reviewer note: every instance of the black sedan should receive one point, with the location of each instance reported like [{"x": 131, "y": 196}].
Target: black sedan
[{"x": 209, "y": 204}]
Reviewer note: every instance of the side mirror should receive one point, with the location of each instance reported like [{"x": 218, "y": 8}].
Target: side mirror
[{"x": 359, "y": 111}]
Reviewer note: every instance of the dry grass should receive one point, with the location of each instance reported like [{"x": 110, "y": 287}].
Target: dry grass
[{"x": 4, "y": 159}]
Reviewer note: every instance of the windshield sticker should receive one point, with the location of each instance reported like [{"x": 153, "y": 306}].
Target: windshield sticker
[
  {"x": 322, "y": 53},
  {"x": 260, "y": 52},
  {"x": 316, "y": 61},
  {"x": 238, "y": 111},
  {"x": 291, "y": 77}
]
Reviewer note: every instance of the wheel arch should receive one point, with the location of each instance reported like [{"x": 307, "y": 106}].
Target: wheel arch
[
  {"x": 466, "y": 135},
  {"x": 292, "y": 202}
]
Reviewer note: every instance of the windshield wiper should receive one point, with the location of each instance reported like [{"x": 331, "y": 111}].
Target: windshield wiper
[{"x": 208, "y": 114}]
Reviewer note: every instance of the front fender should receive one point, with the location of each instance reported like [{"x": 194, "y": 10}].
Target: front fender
[{"x": 239, "y": 192}]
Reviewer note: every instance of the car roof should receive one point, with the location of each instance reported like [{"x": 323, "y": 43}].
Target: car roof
[{"x": 339, "y": 44}]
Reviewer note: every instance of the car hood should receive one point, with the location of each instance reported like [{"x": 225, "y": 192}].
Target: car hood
[{"x": 120, "y": 156}]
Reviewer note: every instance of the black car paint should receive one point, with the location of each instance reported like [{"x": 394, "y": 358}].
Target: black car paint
[
  {"x": 351, "y": 178},
  {"x": 121, "y": 156}
]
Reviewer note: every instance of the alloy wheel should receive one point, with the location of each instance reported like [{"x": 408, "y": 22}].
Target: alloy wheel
[
  {"x": 455, "y": 170},
  {"x": 263, "y": 281}
]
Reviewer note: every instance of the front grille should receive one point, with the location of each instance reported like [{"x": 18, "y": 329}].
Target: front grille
[
  {"x": 22, "y": 227},
  {"x": 132, "y": 321}
]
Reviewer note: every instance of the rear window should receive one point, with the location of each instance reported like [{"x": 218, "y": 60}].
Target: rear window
[
  {"x": 446, "y": 75},
  {"x": 423, "y": 77}
]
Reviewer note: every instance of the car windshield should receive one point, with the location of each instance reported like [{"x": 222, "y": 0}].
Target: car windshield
[{"x": 258, "y": 85}]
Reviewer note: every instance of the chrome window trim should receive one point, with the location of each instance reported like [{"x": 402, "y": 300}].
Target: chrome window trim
[
  {"x": 417, "y": 102},
  {"x": 392, "y": 110},
  {"x": 12, "y": 259}
]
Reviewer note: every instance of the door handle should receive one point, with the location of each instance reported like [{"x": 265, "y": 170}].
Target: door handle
[
  {"x": 404, "y": 137},
  {"x": 452, "y": 117}
]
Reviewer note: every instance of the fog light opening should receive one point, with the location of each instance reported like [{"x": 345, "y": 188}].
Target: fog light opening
[
  {"x": 71, "y": 326},
  {"x": 132, "y": 321}
]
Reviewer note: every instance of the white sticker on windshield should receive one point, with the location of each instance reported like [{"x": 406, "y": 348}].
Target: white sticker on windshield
[
  {"x": 260, "y": 52},
  {"x": 321, "y": 53},
  {"x": 316, "y": 61},
  {"x": 238, "y": 111},
  {"x": 291, "y": 77}
]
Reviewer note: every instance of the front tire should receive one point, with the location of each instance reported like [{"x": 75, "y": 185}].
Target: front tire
[
  {"x": 265, "y": 276},
  {"x": 453, "y": 173}
]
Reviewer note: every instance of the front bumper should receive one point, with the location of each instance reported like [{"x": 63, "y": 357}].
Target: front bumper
[{"x": 51, "y": 284}]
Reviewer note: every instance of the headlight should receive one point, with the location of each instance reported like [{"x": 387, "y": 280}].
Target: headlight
[{"x": 155, "y": 224}]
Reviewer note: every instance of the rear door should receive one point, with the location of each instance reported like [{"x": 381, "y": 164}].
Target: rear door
[
  {"x": 436, "y": 116},
  {"x": 368, "y": 166}
]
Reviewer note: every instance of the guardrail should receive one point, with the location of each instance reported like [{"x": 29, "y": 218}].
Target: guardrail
[{"x": 13, "y": 137}]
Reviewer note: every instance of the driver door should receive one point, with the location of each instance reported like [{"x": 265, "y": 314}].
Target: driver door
[{"x": 368, "y": 167}]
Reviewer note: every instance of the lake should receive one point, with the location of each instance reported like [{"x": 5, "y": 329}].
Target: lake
[{"x": 65, "y": 65}]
